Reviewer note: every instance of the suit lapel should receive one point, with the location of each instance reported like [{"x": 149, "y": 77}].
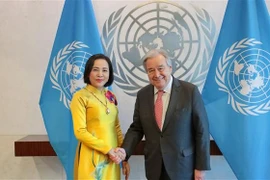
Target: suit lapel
[{"x": 173, "y": 101}]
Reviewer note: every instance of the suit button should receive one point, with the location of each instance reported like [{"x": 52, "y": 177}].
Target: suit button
[{"x": 161, "y": 135}]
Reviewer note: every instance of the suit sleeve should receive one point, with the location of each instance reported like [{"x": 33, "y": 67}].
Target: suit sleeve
[
  {"x": 202, "y": 136},
  {"x": 78, "y": 111},
  {"x": 135, "y": 132}
]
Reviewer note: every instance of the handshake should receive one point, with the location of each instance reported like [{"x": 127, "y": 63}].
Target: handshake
[{"x": 117, "y": 155}]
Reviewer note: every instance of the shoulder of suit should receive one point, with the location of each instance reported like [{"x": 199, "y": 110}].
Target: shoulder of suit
[
  {"x": 147, "y": 88},
  {"x": 185, "y": 84}
]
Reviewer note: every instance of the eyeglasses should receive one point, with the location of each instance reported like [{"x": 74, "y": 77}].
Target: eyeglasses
[{"x": 153, "y": 70}]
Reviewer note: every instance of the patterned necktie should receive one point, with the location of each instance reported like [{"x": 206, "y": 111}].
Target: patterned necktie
[{"x": 159, "y": 108}]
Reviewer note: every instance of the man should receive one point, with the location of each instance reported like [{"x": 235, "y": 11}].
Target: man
[{"x": 177, "y": 146}]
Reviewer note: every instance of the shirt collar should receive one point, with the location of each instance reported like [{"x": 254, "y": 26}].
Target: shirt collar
[{"x": 168, "y": 88}]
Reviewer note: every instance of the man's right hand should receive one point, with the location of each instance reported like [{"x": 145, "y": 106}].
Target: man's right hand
[
  {"x": 121, "y": 153},
  {"x": 114, "y": 157},
  {"x": 117, "y": 155}
]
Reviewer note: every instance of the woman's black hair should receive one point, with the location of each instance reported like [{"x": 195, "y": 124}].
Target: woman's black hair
[{"x": 89, "y": 66}]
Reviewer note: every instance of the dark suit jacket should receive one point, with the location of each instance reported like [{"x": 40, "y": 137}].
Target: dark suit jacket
[{"x": 184, "y": 142}]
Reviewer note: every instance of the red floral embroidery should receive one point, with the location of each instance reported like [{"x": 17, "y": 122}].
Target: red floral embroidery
[{"x": 111, "y": 97}]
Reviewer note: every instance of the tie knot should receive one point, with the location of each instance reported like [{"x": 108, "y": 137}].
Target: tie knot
[{"x": 160, "y": 92}]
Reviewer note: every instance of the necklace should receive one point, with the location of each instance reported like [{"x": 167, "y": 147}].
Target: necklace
[{"x": 105, "y": 105}]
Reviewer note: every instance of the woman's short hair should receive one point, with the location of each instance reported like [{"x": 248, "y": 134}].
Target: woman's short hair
[
  {"x": 155, "y": 52},
  {"x": 89, "y": 66}
]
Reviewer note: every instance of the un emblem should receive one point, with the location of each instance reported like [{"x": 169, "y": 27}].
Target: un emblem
[
  {"x": 188, "y": 39},
  {"x": 67, "y": 70},
  {"x": 243, "y": 72}
]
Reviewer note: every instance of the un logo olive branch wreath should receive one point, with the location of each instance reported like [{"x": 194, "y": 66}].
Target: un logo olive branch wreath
[
  {"x": 121, "y": 78},
  {"x": 124, "y": 81},
  {"x": 56, "y": 64},
  {"x": 223, "y": 62},
  {"x": 209, "y": 29}
]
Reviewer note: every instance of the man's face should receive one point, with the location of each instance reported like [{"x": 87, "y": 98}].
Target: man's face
[{"x": 158, "y": 71}]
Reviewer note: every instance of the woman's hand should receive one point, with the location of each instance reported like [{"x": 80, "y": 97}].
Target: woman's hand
[{"x": 114, "y": 156}]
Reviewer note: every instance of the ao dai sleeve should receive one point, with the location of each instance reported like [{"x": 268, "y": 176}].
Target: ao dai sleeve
[
  {"x": 78, "y": 111},
  {"x": 118, "y": 132}
]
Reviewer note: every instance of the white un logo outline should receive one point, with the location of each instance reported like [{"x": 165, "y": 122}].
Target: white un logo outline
[
  {"x": 248, "y": 76},
  {"x": 59, "y": 66},
  {"x": 224, "y": 66},
  {"x": 129, "y": 75}
]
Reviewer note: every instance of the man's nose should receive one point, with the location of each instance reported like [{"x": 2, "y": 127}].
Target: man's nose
[{"x": 156, "y": 73}]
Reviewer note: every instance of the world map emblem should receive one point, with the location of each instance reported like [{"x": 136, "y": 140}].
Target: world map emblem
[
  {"x": 66, "y": 72},
  {"x": 187, "y": 35},
  {"x": 243, "y": 72}
]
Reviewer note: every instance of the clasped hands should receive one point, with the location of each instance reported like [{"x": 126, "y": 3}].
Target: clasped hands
[{"x": 117, "y": 155}]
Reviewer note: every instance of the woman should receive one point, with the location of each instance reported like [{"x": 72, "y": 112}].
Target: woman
[{"x": 96, "y": 124}]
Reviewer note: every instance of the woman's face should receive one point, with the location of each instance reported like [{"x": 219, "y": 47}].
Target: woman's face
[{"x": 99, "y": 74}]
